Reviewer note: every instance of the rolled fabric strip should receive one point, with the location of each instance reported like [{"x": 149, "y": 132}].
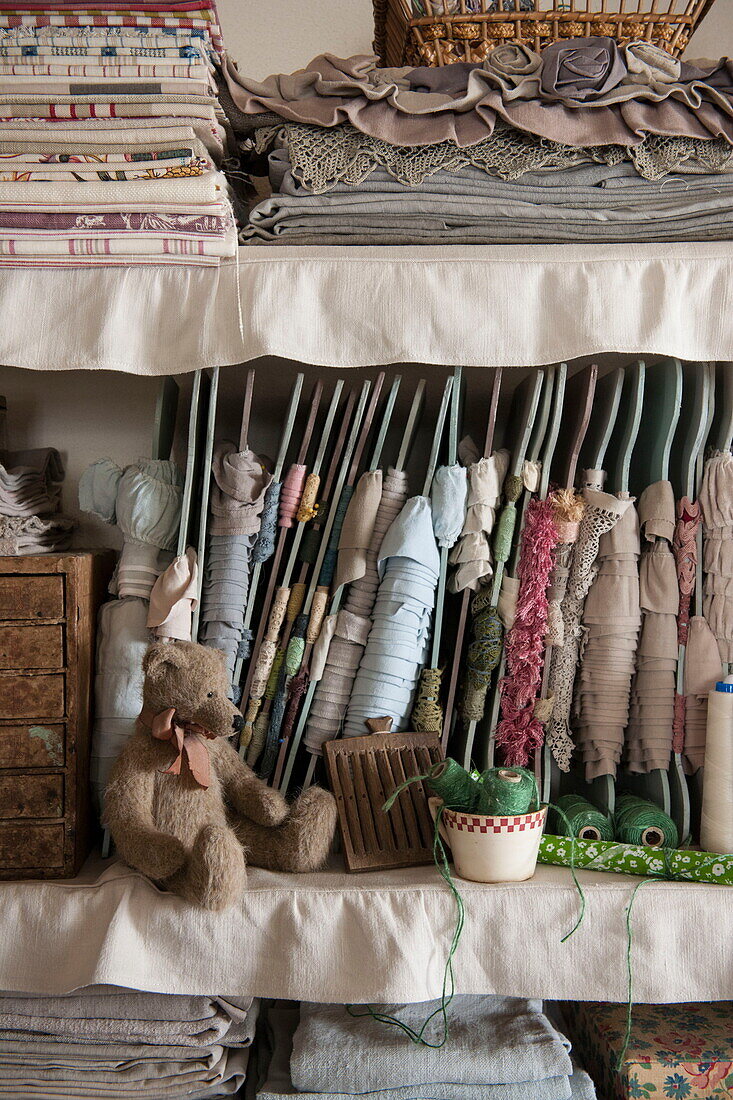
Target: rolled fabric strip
[
  {"x": 448, "y": 496},
  {"x": 673, "y": 865},
  {"x": 264, "y": 547},
  {"x": 358, "y": 528},
  {"x": 290, "y": 494}
]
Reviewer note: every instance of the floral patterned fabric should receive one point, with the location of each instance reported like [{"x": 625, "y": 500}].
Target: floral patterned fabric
[{"x": 682, "y": 1051}]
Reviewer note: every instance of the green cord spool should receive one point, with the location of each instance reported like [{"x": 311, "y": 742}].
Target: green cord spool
[
  {"x": 637, "y": 821},
  {"x": 584, "y": 821},
  {"x": 452, "y": 783},
  {"x": 507, "y": 792}
]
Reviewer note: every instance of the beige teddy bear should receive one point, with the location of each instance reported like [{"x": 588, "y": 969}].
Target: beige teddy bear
[{"x": 182, "y": 806}]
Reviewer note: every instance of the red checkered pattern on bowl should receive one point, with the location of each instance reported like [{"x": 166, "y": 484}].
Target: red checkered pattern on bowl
[{"x": 482, "y": 824}]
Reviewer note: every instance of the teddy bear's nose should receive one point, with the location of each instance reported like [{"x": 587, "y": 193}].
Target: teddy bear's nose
[{"x": 238, "y": 723}]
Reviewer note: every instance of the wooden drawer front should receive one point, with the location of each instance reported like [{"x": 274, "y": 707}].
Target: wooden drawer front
[
  {"x": 31, "y": 597},
  {"x": 23, "y": 845},
  {"x": 31, "y": 696},
  {"x": 31, "y": 647},
  {"x": 32, "y": 746},
  {"x": 31, "y": 796}
]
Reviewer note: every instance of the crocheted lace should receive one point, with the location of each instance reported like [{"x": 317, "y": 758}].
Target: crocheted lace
[
  {"x": 564, "y": 660},
  {"x": 320, "y": 159}
]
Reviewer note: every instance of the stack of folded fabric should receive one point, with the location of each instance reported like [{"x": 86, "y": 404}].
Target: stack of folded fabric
[
  {"x": 30, "y": 498},
  {"x": 112, "y": 1042},
  {"x": 112, "y": 137},
  {"x": 499, "y": 1048},
  {"x": 588, "y": 141}
]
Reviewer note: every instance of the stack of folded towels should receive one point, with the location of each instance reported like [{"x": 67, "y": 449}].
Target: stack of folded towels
[
  {"x": 589, "y": 141},
  {"x": 30, "y": 498},
  {"x": 498, "y": 1048},
  {"x": 119, "y": 1043},
  {"x": 112, "y": 137}
]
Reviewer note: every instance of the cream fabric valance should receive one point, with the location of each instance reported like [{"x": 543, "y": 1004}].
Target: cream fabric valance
[
  {"x": 349, "y": 307},
  {"x": 368, "y": 937}
]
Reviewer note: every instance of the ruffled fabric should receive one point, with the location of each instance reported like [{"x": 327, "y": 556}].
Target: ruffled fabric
[
  {"x": 472, "y": 554},
  {"x": 448, "y": 497},
  {"x": 34, "y": 534},
  {"x": 611, "y": 624},
  {"x": 716, "y": 501},
  {"x": 237, "y": 496},
  {"x": 651, "y": 714},
  {"x": 98, "y": 488},
  {"x": 463, "y": 106}
]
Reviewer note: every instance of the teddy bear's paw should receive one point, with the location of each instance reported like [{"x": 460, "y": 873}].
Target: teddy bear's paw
[
  {"x": 272, "y": 809},
  {"x": 216, "y": 872},
  {"x": 309, "y": 831},
  {"x": 163, "y": 856}
]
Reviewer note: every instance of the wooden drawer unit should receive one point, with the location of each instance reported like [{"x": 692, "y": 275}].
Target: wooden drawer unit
[
  {"x": 48, "y": 613},
  {"x": 31, "y": 597},
  {"x": 32, "y": 745},
  {"x": 23, "y": 646}
]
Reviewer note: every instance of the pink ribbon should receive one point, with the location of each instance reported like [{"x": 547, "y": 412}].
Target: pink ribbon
[{"x": 186, "y": 737}]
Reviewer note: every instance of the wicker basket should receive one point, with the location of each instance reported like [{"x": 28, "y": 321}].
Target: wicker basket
[{"x": 467, "y": 30}]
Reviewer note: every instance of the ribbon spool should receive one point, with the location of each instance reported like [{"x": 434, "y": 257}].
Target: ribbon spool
[
  {"x": 507, "y": 792},
  {"x": 582, "y": 819},
  {"x": 639, "y": 822}
]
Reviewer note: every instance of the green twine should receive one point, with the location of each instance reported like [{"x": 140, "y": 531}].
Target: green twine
[
  {"x": 448, "y": 990},
  {"x": 639, "y": 822},
  {"x": 440, "y": 858},
  {"x": 452, "y": 783},
  {"x": 581, "y": 819},
  {"x": 508, "y": 792}
]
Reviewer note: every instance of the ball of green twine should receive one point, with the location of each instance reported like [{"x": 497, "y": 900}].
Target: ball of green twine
[
  {"x": 451, "y": 782},
  {"x": 507, "y": 792},
  {"x": 637, "y": 821},
  {"x": 582, "y": 819}
]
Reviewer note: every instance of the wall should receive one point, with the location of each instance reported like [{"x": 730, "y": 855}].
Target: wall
[{"x": 270, "y": 36}]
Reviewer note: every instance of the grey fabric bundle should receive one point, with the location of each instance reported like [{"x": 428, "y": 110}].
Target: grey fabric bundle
[
  {"x": 603, "y": 203},
  {"x": 493, "y": 1040},
  {"x": 108, "y": 1042},
  {"x": 379, "y": 1052}
]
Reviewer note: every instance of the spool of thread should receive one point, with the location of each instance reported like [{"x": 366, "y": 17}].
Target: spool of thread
[
  {"x": 451, "y": 782},
  {"x": 637, "y": 821},
  {"x": 507, "y": 792},
  {"x": 584, "y": 821},
  {"x": 716, "y": 824}
]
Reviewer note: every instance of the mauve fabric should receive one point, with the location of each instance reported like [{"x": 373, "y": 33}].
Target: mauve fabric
[
  {"x": 357, "y": 529},
  {"x": 333, "y": 90}
]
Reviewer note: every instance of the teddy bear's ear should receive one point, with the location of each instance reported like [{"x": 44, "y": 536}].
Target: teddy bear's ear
[{"x": 162, "y": 654}]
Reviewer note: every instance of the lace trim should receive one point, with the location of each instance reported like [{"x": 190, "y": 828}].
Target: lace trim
[
  {"x": 320, "y": 159},
  {"x": 564, "y": 660}
]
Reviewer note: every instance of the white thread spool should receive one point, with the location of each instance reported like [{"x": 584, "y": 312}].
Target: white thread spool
[{"x": 716, "y": 826}]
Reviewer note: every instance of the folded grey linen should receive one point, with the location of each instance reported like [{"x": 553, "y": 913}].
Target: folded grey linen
[
  {"x": 225, "y": 1077},
  {"x": 36, "y": 1050},
  {"x": 282, "y": 1024},
  {"x": 493, "y": 1040},
  {"x": 581, "y": 1086}
]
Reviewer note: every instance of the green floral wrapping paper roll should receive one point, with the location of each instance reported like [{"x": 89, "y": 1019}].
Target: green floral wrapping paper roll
[{"x": 678, "y": 865}]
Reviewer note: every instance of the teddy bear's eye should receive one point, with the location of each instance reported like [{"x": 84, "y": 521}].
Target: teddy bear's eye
[{"x": 209, "y": 695}]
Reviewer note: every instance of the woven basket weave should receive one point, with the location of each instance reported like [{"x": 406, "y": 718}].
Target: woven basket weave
[{"x": 467, "y": 30}]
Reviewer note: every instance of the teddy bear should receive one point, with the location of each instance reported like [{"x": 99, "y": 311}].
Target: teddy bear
[{"x": 184, "y": 808}]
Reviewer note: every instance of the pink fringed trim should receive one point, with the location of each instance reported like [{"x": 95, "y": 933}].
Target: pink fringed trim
[{"x": 519, "y": 732}]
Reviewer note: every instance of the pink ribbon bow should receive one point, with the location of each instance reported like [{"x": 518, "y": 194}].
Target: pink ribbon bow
[{"x": 187, "y": 738}]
